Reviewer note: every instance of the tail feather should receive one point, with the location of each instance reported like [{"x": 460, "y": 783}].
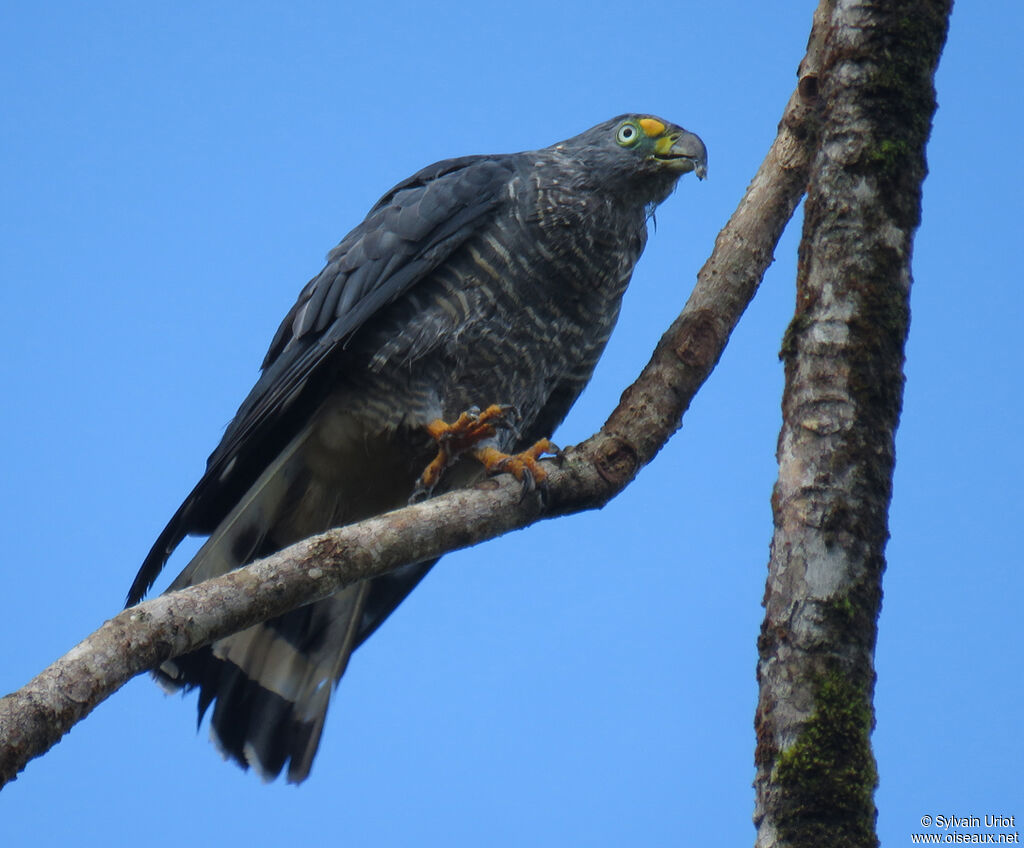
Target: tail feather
[
  {"x": 170, "y": 537},
  {"x": 270, "y": 696},
  {"x": 270, "y": 685}
]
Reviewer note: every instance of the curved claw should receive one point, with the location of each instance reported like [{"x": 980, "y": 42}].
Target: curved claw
[
  {"x": 421, "y": 491},
  {"x": 524, "y": 466},
  {"x": 453, "y": 440}
]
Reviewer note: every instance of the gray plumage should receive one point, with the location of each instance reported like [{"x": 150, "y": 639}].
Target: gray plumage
[{"x": 479, "y": 280}]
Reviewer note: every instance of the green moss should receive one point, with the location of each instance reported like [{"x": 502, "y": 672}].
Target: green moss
[
  {"x": 890, "y": 153},
  {"x": 797, "y": 327},
  {"x": 843, "y": 607},
  {"x": 828, "y": 776}
]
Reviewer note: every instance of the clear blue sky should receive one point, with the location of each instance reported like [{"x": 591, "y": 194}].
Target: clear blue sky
[{"x": 173, "y": 173}]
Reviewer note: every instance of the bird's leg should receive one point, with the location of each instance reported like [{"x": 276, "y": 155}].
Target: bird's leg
[
  {"x": 524, "y": 466},
  {"x": 466, "y": 433},
  {"x": 454, "y": 439}
]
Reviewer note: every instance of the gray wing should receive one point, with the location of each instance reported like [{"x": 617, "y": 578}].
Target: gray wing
[{"x": 409, "y": 232}]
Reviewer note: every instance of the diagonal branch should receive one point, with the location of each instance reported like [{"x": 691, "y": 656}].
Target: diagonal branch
[{"x": 34, "y": 718}]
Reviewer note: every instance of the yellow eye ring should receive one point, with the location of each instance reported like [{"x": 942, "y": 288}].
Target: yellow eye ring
[{"x": 628, "y": 135}]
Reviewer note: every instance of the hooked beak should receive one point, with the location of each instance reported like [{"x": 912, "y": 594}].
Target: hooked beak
[{"x": 682, "y": 151}]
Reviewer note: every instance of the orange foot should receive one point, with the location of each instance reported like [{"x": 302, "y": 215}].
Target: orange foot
[
  {"x": 466, "y": 433},
  {"x": 524, "y": 466},
  {"x": 453, "y": 440}
]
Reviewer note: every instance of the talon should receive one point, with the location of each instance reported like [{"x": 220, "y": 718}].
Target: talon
[
  {"x": 468, "y": 430},
  {"x": 421, "y": 491},
  {"x": 530, "y": 484},
  {"x": 524, "y": 466}
]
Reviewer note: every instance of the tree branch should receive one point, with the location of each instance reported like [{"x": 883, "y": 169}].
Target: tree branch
[
  {"x": 34, "y": 718},
  {"x": 844, "y": 385}
]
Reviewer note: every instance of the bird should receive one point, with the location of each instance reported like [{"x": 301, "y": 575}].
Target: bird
[{"x": 446, "y": 338}]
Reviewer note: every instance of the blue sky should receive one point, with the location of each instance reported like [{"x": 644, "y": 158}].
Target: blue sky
[{"x": 173, "y": 174}]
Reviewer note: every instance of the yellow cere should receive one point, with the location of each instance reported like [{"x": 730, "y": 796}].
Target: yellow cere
[
  {"x": 652, "y": 127},
  {"x": 663, "y": 145}
]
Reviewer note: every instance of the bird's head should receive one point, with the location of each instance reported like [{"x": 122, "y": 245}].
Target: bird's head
[
  {"x": 641, "y": 150},
  {"x": 660, "y": 144}
]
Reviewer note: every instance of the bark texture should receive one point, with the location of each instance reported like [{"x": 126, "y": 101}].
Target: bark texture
[
  {"x": 34, "y": 718},
  {"x": 844, "y": 385}
]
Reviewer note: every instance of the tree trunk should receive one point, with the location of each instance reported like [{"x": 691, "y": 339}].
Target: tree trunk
[{"x": 844, "y": 384}]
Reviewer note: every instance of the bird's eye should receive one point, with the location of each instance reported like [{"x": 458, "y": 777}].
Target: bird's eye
[{"x": 627, "y": 135}]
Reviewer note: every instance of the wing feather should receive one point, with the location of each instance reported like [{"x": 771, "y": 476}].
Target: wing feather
[{"x": 411, "y": 231}]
